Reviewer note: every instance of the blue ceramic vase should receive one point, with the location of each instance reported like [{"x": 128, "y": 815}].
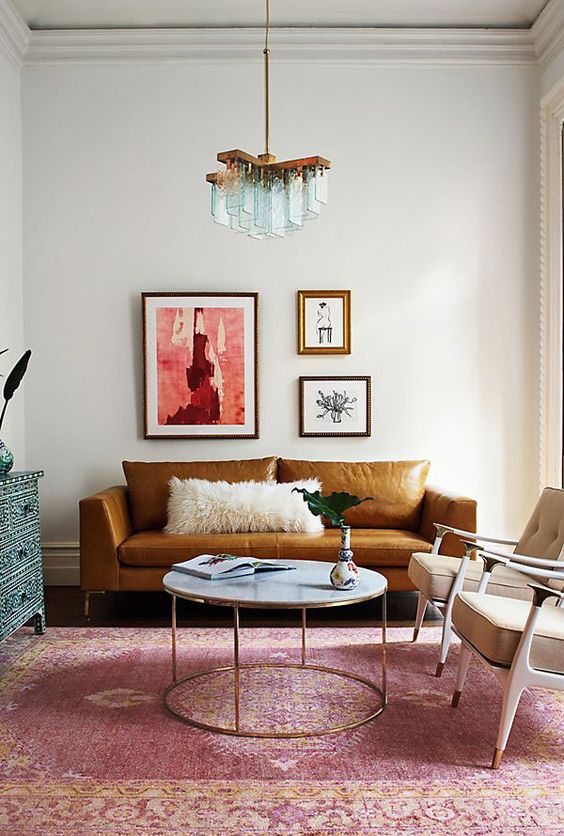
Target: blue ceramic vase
[
  {"x": 6, "y": 458},
  {"x": 345, "y": 574}
]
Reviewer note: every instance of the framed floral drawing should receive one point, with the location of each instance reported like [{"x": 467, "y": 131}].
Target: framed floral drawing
[
  {"x": 335, "y": 406},
  {"x": 200, "y": 354},
  {"x": 324, "y": 322}
]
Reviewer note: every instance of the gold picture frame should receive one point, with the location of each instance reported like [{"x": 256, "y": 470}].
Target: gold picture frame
[{"x": 324, "y": 322}]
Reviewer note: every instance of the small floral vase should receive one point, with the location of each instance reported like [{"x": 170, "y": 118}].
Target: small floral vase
[
  {"x": 345, "y": 574},
  {"x": 6, "y": 458}
]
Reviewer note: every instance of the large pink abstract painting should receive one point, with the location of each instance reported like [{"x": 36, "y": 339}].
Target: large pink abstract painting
[{"x": 200, "y": 365}]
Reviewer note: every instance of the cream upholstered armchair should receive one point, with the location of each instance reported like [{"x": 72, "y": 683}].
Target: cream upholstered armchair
[
  {"x": 520, "y": 641},
  {"x": 440, "y": 578}
]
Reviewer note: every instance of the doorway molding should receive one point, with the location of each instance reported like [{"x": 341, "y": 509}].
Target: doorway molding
[{"x": 551, "y": 371}]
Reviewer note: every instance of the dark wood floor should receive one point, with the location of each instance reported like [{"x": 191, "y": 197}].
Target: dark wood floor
[{"x": 64, "y": 608}]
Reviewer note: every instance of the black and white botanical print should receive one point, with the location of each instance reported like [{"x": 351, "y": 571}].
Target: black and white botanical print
[
  {"x": 324, "y": 324},
  {"x": 335, "y": 405}
]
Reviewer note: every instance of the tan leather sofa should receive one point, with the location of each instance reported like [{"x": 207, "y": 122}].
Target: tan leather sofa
[{"x": 123, "y": 547}]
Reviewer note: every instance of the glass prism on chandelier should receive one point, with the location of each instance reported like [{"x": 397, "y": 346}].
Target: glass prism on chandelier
[
  {"x": 267, "y": 201},
  {"x": 261, "y": 197}
]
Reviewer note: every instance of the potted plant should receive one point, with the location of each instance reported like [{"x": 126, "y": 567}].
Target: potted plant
[
  {"x": 12, "y": 382},
  {"x": 345, "y": 574}
]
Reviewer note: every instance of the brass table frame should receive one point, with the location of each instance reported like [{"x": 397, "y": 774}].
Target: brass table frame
[{"x": 237, "y": 666}]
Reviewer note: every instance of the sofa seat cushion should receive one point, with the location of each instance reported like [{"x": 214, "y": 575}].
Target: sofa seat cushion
[
  {"x": 371, "y": 547},
  {"x": 147, "y": 483},
  {"x": 494, "y": 625},
  {"x": 398, "y": 488},
  {"x": 155, "y": 548},
  {"x": 434, "y": 574}
]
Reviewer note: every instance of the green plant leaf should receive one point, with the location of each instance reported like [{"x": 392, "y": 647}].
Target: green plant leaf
[
  {"x": 13, "y": 381},
  {"x": 331, "y": 507}
]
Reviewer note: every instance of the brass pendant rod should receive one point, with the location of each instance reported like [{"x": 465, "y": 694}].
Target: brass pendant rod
[{"x": 266, "y": 53}]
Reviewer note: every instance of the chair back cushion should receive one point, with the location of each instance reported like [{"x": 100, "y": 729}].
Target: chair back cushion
[
  {"x": 398, "y": 488},
  {"x": 148, "y": 483},
  {"x": 544, "y": 533}
]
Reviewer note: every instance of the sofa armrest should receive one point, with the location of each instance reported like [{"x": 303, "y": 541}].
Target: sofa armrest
[
  {"x": 104, "y": 524},
  {"x": 448, "y": 508}
]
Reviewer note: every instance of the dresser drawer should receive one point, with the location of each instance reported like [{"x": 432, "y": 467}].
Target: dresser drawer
[
  {"x": 21, "y": 600},
  {"x": 24, "y": 508},
  {"x": 24, "y": 554}
]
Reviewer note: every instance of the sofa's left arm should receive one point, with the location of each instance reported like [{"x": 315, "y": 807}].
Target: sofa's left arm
[
  {"x": 448, "y": 508},
  {"x": 105, "y": 522}
]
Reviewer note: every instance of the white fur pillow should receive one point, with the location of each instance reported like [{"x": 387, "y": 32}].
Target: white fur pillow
[{"x": 196, "y": 506}]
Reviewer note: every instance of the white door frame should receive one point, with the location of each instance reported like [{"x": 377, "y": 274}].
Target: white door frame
[{"x": 551, "y": 289}]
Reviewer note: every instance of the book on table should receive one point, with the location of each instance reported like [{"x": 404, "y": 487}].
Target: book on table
[{"x": 225, "y": 566}]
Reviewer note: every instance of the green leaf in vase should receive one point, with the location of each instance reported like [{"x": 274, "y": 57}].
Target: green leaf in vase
[{"x": 331, "y": 507}]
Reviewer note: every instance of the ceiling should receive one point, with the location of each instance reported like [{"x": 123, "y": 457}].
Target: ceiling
[{"x": 87, "y": 14}]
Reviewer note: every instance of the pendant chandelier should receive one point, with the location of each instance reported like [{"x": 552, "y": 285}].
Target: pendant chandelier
[{"x": 261, "y": 197}]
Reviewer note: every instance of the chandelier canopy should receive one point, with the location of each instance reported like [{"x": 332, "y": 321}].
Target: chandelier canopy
[{"x": 261, "y": 197}]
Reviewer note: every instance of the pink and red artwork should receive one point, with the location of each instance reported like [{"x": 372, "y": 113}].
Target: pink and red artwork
[
  {"x": 201, "y": 365},
  {"x": 197, "y": 351}
]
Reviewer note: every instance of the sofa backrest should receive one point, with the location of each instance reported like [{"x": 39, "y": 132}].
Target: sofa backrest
[
  {"x": 397, "y": 487},
  {"x": 147, "y": 483}
]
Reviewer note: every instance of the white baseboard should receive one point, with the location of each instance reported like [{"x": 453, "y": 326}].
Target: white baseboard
[{"x": 61, "y": 564}]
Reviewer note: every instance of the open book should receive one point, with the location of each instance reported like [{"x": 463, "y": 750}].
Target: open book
[{"x": 224, "y": 566}]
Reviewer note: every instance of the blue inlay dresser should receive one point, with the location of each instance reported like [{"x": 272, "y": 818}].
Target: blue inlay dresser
[{"x": 21, "y": 567}]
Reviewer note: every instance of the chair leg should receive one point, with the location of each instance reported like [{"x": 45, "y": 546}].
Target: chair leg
[
  {"x": 511, "y": 698},
  {"x": 420, "y": 615},
  {"x": 445, "y": 643},
  {"x": 465, "y": 656}
]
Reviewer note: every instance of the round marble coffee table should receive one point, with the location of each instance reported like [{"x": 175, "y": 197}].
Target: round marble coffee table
[{"x": 305, "y": 587}]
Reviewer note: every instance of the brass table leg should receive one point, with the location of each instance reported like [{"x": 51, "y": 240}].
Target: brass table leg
[
  {"x": 237, "y": 667},
  {"x": 384, "y": 619},
  {"x": 174, "y": 638},
  {"x": 304, "y": 635},
  {"x": 236, "y": 662}
]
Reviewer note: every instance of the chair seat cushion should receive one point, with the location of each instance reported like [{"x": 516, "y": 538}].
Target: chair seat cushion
[
  {"x": 371, "y": 547},
  {"x": 494, "y": 625},
  {"x": 434, "y": 574}
]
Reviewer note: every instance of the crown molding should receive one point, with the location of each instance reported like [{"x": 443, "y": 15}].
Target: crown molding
[
  {"x": 319, "y": 45},
  {"x": 14, "y": 32},
  {"x": 548, "y": 31}
]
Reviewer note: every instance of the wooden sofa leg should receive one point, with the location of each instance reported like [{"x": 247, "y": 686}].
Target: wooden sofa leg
[{"x": 87, "y": 595}]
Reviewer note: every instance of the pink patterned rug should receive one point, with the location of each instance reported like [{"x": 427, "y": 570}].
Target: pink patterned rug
[{"x": 87, "y": 749}]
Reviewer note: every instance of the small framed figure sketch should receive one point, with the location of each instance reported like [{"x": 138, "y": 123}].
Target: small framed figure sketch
[
  {"x": 324, "y": 322},
  {"x": 335, "y": 406},
  {"x": 200, "y": 365}
]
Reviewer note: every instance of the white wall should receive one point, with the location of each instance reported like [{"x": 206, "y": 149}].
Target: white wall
[
  {"x": 11, "y": 294},
  {"x": 432, "y": 223}
]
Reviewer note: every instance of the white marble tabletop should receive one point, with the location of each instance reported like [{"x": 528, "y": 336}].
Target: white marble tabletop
[{"x": 307, "y": 585}]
